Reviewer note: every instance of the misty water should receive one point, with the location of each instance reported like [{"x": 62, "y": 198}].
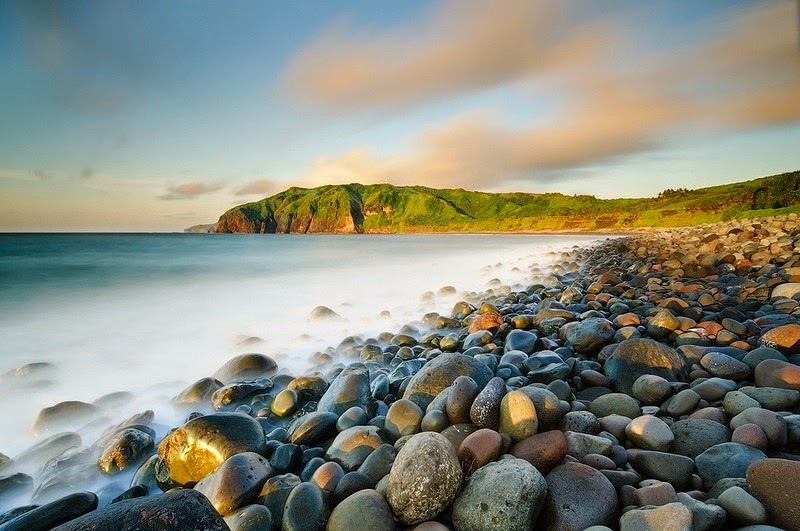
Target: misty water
[{"x": 149, "y": 314}]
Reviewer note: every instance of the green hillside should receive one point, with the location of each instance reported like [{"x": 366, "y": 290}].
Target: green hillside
[{"x": 383, "y": 208}]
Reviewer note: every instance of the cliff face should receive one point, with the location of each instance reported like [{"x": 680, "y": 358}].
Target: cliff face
[{"x": 382, "y": 208}]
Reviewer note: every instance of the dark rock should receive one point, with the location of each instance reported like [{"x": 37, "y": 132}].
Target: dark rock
[
  {"x": 772, "y": 481},
  {"x": 635, "y": 357},
  {"x": 726, "y": 460},
  {"x": 349, "y": 484},
  {"x": 127, "y": 448},
  {"x": 286, "y": 458},
  {"x": 236, "y": 482},
  {"x": 200, "y": 392},
  {"x": 366, "y": 509},
  {"x": 274, "y": 493},
  {"x": 246, "y": 367},
  {"x": 695, "y": 436},
  {"x": 250, "y": 518},
  {"x": 578, "y": 496},
  {"x": 353, "y": 446},
  {"x": 350, "y": 388},
  {"x": 55, "y": 513},
  {"x": 485, "y": 409},
  {"x": 314, "y": 428},
  {"x": 590, "y": 335},
  {"x": 305, "y": 509},
  {"x": 440, "y": 373}
]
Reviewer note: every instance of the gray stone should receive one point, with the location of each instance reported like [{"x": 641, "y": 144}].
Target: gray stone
[
  {"x": 350, "y": 388},
  {"x": 726, "y": 460},
  {"x": 649, "y": 433},
  {"x": 635, "y": 357},
  {"x": 669, "y": 517},
  {"x": 236, "y": 482},
  {"x": 352, "y": 447},
  {"x": 578, "y": 497},
  {"x": 364, "y": 510}
]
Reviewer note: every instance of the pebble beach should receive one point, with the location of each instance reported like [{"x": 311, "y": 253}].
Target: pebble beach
[{"x": 648, "y": 382}]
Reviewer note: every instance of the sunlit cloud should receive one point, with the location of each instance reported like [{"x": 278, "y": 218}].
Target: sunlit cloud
[
  {"x": 189, "y": 190},
  {"x": 615, "y": 95},
  {"x": 261, "y": 187}
]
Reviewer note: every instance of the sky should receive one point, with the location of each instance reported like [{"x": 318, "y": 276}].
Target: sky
[{"x": 154, "y": 116}]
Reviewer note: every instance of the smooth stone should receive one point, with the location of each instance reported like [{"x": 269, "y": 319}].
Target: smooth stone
[
  {"x": 776, "y": 373},
  {"x": 456, "y": 434},
  {"x": 724, "y": 366},
  {"x": 662, "y": 324},
  {"x": 787, "y": 290},
  {"x": 743, "y": 507},
  {"x": 615, "y": 404},
  {"x": 518, "y": 417},
  {"x": 351, "y": 447},
  {"x": 236, "y": 482},
  {"x": 349, "y": 389},
  {"x": 581, "y": 444},
  {"x": 310, "y": 387},
  {"x": 774, "y": 483},
  {"x": 286, "y": 458},
  {"x": 757, "y": 355},
  {"x": 43, "y": 451},
  {"x": 517, "y": 490},
  {"x": 440, "y": 373},
  {"x": 669, "y": 517},
  {"x": 327, "y": 476},
  {"x": 726, "y": 460},
  {"x": 784, "y": 338},
  {"x": 413, "y": 492},
  {"x": 713, "y": 389},
  {"x": 485, "y": 409},
  {"x": 649, "y": 433},
  {"x": 651, "y": 389},
  {"x": 634, "y": 357},
  {"x": 305, "y": 509},
  {"x": 460, "y": 398},
  {"x": 285, "y": 403},
  {"x": 355, "y": 416},
  {"x": 578, "y": 496},
  {"x": 672, "y": 468},
  {"x": 543, "y": 450},
  {"x": 705, "y": 517},
  {"x": 349, "y": 484},
  {"x": 200, "y": 392},
  {"x": 127, "y": 448},
  {"x": 655, "y": 493},
  {"x": 274, "y": 493},
  {"x": 246, "y": 367},
  {"x": 478, "y": 449},
  {"x": 548, "y": 406},
  {"x": 365, "y": 510},
  {"x": 735, "y": 402},
  {"x": 192, "y": 451},
  {"x": 590, "y": 335},
  {"x": 403, "y": 418},
  {"x": 250, "y": 518},
  {"x": 236, "y": 394},
  {"x": 62, "y": 416},
  {"x": 751, "y": 435},
  {"x": 378, "y": 463},
  {"x": 773, "y": 424},
  {"x": 178, "y": 509},
  {"x": 773, "y": 398},
  {"x": 580, "y": 421},
  {"x": 314, "y": 428},
  {"x": 520, "y": 340},
  {"x": 682, "y": 403},
  {"x": 599, "y": 462}
]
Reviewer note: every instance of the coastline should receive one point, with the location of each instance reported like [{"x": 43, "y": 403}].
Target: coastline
[{"x": 697, "y": 305}]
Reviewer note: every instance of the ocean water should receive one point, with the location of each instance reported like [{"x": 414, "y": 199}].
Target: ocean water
[{"x": 148, "y": 314}]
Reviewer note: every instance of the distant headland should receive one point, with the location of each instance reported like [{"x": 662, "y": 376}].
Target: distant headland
[{"x": 384, "y": 208}]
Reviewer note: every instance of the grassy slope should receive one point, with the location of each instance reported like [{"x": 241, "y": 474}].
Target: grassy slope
[{"x": 387, "y": 208}]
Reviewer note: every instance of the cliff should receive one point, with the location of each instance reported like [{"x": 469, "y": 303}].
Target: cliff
[{"x": 383, "y": 208}]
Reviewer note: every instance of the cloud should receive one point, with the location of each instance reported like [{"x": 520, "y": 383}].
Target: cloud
[
  {"x": 262, "y": 187},
  {"x": 43, "y": 175},
  {"x": 189, "y": 190},
  {"x": 614, "y": 92}
]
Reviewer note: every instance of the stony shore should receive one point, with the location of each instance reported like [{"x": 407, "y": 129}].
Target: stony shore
[{"x": 650, "y": 382}]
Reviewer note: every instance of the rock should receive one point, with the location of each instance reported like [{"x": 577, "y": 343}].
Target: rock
[
  {"x": 477, "y": 339},
  {"x": 657, "y": 493},
  {"x": 581, "y": 444},
  {"x": 349, "y": 389},
  {"x": 672, "y": 468},
  {"x": 615, "y": 404},
  {"x": 735, "y": 402},
  {"x": 635, "y": 357},
  {"x": 724, "y": 366},
  {"x": 285, "y": 403},
  {"x": 650, "y": 433},
  {"x": 246, "y": 367},
  {"x": 236, "y": 482},
  {"x": 543, "y": 450},
  {"x": 520, "y": 340},
  {"x": 413, "y": 492},
  {"x": 547, "y": 404},
  {"x": 323, "y": 313},
  {"x": 366, "y": 509},
  {"x": 349, "y": 484},
  {"x": 305, "y": 509},
  {"x": 127, "y": 448},
  {"x": 274, "y": 493},
  {"x": 743, "y": 507},
  {"x": 192, "y": 451},
  {"x": 785, "y": 338},
  {"x": 485, "y": 409},
  {"x": 590, "y": 335},
  {"x": 53, "y": 514},
  {"x": 44, "y": 451},
  {"x": 662, "y": 324},
  {"x": 440, "y": 373},
  {"x": 705, "y": 517},
  {"x": 776, "y": 373},
  {"x": 351, "y": 447},
  {"x": 750, "y": 435},
  {"x": 250, "y": 518},
  {"x": 63, "y": 416},
  {"x": 726, "y": 460},
  {"x": 518, "y": 417},
  {"x": 713, "y": 389},
  {"x": 459, "y": 399},
  {"x": 326, "y": 476},
  {"x": 489, "y": 321},
  {"x": 695, "y": 436},
  {"x": 772, "y": 482},
  {"x": 578, "y": 497},
  {"x": 670, "y": 517},
  {"x": 355, "y": 416},
  {"x": 773, "y": 398},
  {"x": 403, "y": 418},
  {"x": 517, "y": 493},
  {"x": 683, "y": 403},
  {"x": 478, "y": 449},
  {"x": 378, "y": 463},
  {"x": 650, "y": 389},
  {"x": 314, "y": 428},
  {"x": 774, "y": 425},
  {"x": 580, "y": 421},
  {"x": 200, "y": 392},
  {"x": 286, "y": 458}
]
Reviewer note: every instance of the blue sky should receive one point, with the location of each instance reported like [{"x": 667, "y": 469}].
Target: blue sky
[{"x": 159, "y": 115}]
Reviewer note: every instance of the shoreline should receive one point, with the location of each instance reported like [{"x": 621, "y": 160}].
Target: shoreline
[{"x": 698, "y": 303}]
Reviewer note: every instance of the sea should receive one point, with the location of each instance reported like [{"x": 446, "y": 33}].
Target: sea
[{"x": 148, "y": 314}]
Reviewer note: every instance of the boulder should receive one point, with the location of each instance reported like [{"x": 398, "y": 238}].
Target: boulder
[
  {"x": 636, "y": 357},
  {"x": 440, "y": 373}
]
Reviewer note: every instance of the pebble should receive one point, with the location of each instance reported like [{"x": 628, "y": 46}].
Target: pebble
[
  {"x": 518, "y": 417},
  {"x": 726, "y": 460},
  {"x": 651, "y": 389},
  {"x": 578, "y": 496},
  {"x": 365, "y": 509},
  {"x": 543, "y": 450},
  {"x": 236, "y": 482},
  {"x": 649, "y": 433},
  {"x": 773, "y": 483},
  {"x": 669, "y": 517},
  {"x": 743, "y": 507}
]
